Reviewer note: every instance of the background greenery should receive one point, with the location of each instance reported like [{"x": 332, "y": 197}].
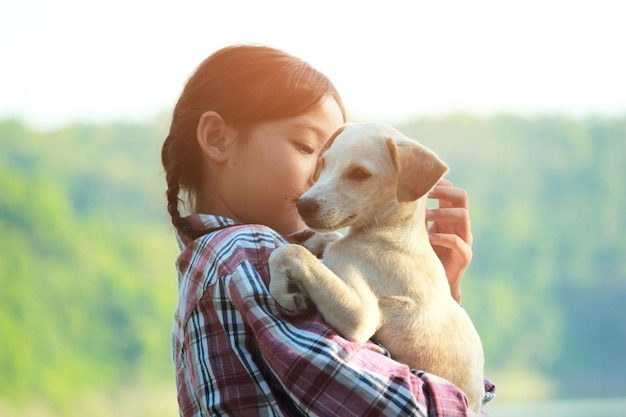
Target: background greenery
[{"x": 88, "y": 288}]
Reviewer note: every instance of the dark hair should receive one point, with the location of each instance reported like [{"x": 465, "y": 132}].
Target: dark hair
[{"x": 245, "y": 85}]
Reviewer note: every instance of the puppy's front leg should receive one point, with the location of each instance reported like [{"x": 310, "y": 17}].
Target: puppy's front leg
[{"x": 352, "y": 310}]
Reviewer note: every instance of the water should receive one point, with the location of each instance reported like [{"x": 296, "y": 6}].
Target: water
[{"x": 592, "y": 407}]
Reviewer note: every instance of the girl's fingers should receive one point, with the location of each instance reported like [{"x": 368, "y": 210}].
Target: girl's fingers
[
  {"x": 459, "y": 254},
  {"x": 450, "y": 241},
  {"x": 455, "y": 255},
  {"x": 449, "y": 196},
  {"x": 453, "y": 221},
  {"x": 448, "y": 215},
  {"x": 444, "y": 182},
  {"x": 450, "y": 232}
]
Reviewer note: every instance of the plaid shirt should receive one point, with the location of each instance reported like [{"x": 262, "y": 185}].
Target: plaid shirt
[{"x": 236, "y": 355}]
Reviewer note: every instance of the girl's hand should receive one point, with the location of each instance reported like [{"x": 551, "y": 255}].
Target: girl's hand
[{"x": 450, "y": 232}]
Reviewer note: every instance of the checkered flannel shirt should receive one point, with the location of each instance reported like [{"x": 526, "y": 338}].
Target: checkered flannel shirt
[{"x": 236, "y": 355}]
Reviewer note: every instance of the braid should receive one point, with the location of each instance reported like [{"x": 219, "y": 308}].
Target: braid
[{"x": 172, "y": 176}]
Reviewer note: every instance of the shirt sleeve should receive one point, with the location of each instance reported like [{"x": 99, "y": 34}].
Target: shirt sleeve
[{"x": 324, "y": 374}]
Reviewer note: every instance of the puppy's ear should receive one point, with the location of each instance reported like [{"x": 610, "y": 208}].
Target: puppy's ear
[
  {"x": 331, "y": 139},
  {"x": 318, "y": 169},
  {"x": 419, "y": 169},
  {"x": 325, "y": 146}
]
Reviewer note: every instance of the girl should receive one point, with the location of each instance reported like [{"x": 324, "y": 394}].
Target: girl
[{"x": 242, "y": 147}]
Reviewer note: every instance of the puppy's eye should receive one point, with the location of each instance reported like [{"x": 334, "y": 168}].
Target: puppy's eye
[{"x": 358, "y": 174}]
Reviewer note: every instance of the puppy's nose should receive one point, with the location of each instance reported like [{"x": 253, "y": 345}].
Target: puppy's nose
[{"x": 307, "y": 207}]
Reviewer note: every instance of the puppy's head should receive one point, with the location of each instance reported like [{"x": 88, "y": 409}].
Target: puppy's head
[{"x": 367, "y": 173}]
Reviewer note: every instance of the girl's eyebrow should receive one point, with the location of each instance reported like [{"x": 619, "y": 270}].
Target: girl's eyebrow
[{"x": 309, "y": 126}]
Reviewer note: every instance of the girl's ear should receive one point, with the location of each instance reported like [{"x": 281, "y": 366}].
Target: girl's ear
[{"x": 214, "y": 136}]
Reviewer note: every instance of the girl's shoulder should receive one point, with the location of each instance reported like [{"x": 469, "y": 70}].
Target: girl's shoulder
[{"x": 228, "y": 246}]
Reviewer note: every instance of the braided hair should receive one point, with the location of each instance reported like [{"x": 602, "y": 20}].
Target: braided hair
[{"x": 245, "y": 85}]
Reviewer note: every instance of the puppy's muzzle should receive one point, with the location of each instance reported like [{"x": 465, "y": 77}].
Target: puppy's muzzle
[{"x": 307, "y": 207}]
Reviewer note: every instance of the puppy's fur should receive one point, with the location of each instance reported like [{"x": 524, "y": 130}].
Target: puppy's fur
[{"x": 383, "y": 279}]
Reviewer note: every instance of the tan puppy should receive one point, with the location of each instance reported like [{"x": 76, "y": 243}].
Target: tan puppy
[{"x": 383, "y": 279}]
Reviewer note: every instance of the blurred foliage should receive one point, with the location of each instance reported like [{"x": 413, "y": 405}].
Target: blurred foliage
[
  {"x": 87, "y": 285},
  {"x": 88, "y": 288}
]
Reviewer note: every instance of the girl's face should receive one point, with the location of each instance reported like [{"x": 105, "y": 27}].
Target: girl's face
[{"x": 272, "y": 166}]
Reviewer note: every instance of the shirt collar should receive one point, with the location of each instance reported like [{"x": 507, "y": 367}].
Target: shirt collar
[{"x": 204, "y": 223}]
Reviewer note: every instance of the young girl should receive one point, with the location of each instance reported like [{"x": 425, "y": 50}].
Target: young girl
[{"x": 242, "y": 147}]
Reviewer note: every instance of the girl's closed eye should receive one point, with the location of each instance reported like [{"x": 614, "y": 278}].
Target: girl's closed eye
[{"x": 305, "y": 148}]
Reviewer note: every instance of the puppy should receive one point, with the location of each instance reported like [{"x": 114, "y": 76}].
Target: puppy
[{"x": 382, "y": 280}]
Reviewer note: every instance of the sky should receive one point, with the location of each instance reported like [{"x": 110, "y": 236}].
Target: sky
[{"x": 77, "y": 60}]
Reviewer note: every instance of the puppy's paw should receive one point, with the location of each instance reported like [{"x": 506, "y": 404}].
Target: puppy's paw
[
  {"x": 283, "y": 288},
  {"x": 294, "y": 301},
  {"x": 287, "y": 294},
  {"x": 315, "y": 242}
]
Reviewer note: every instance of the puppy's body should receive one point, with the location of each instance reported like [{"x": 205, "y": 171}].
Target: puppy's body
[{"x": 383, "y": 279}]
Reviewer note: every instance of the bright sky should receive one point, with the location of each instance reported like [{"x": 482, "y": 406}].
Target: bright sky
[{"x": 68, "y": 60}]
